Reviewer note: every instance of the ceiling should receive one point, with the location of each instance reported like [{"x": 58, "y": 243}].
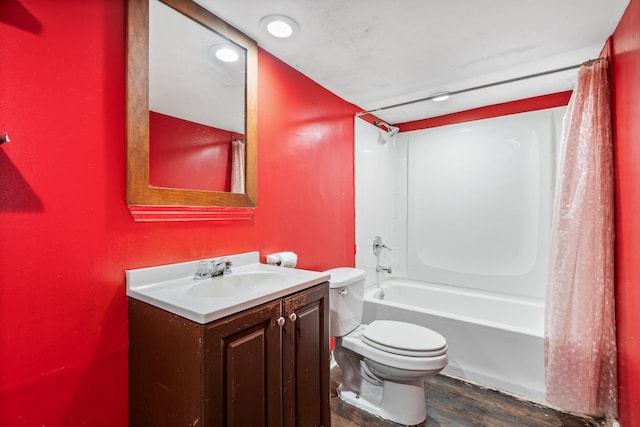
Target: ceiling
[{"x": 374, "y": 53}]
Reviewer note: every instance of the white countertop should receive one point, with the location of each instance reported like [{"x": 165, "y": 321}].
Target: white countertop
[{"x": 171, "y": 287}]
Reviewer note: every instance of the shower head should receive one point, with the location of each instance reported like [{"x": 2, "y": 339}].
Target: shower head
[{"x": 391, "y": 130}]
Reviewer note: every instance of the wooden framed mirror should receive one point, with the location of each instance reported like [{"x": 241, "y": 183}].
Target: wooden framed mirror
[{"x": 150, "y": 194}]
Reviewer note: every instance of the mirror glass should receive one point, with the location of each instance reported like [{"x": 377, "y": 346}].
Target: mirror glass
[
  {"x": 191, "y": 125},
  {"x": 196, "y": 104}
]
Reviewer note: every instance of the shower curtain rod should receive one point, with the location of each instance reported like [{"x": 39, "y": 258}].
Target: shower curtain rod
[{"x": 484, "y": 86}]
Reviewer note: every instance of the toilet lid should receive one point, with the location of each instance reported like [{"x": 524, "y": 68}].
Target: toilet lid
[{"x": 403, "y": 338}]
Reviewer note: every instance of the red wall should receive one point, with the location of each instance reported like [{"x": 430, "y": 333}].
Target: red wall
[
  {"x": 189, "y": 155},
  {"x": 624, "y": 51},
  {"x": 514, "y": 107},
  {"x": 305, "y": 168},
  {"x": 66, "y": 235}
]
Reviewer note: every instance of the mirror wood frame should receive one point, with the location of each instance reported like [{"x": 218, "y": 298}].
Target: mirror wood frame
[{"x": 140, "y": 193}]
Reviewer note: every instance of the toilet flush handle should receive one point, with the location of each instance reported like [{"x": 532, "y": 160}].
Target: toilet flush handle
[{"x": 343, "y": 291}]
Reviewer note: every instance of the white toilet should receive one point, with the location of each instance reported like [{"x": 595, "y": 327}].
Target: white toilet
[{"x": 384, "y": 363}]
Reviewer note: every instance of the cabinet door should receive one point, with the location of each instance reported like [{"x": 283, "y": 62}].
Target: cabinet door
[
  {"x": 306, "y": 358},
  {"x": 165, "y": 373},
  {"x": 243, "y": 371}
]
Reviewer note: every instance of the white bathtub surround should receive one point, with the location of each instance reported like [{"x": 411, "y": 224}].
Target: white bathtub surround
[
  {"x": 493, "y": 340},
  {"x": 466, "y": 206},
  {"x": 580, "y": 329},
  {"x": 479, "y": 203},
  {"x": 380, "y": 200}
]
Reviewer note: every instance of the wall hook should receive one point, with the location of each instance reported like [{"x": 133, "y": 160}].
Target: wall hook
[{"x": 4, "y": 138}]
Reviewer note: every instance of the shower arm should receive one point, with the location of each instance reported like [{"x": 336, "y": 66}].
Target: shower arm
[{"x": 391, "y": 130}]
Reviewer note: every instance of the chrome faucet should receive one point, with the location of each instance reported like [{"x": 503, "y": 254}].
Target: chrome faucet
[
  {"x": 220, "y": 267},
  {"x": 378, "y": 246},
  {"x": 217, "y": 267}
]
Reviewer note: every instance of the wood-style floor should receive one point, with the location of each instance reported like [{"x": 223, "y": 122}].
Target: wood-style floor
[{"x": 455, "y": 403}]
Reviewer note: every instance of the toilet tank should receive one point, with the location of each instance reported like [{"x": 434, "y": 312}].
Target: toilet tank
[{"x": 346, "y": 300}]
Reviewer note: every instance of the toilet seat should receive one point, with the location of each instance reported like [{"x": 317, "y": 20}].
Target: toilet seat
[
  {"x": 405, "y": 339},
  {"x": 354, "y": 342}
]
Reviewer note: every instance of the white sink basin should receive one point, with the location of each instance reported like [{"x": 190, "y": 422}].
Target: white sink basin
[
  {"x": 237, "y": 284},
  {"x": 173, "y": 287}
]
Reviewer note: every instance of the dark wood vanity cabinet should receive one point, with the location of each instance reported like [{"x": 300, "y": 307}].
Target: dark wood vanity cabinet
[{"x": 266, "y": 366}]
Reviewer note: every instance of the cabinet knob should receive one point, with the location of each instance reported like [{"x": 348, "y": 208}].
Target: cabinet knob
[
  {"x": 293, "y": 317},
  {"x": 280, "y": 321}
]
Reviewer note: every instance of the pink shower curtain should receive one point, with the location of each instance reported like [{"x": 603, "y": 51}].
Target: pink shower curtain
[
  {"x": 237, "y": 166},
  {"x": 580, "y": 336}
]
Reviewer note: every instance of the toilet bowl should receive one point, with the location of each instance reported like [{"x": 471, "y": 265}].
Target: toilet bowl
[{"x": 385, "y": 362}]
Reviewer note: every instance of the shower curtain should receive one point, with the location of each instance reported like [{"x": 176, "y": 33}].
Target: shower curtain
[
  {"x": 580, "y": 337},
  {"x": 237, "y": 166}
]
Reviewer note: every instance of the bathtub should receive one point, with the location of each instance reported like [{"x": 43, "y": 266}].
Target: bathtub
[{"x": 494, "y": 340}]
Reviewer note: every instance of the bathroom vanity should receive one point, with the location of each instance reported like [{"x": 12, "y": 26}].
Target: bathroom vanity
[{"x": 263, "y": 365}]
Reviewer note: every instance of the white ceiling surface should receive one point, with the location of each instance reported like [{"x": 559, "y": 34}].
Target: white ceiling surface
[
  {"x": 185, "y": 81},
  {"x": 374, "y": 53}
]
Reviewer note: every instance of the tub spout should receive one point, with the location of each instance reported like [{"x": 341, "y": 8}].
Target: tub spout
[{"x": 380, "y": 268}]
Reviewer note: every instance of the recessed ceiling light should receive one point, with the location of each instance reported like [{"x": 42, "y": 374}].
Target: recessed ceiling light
[
  {"x": 224, "y": 52},
  {"x": 279, "y": 26},
  {"x": 440, "y": 96}
]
